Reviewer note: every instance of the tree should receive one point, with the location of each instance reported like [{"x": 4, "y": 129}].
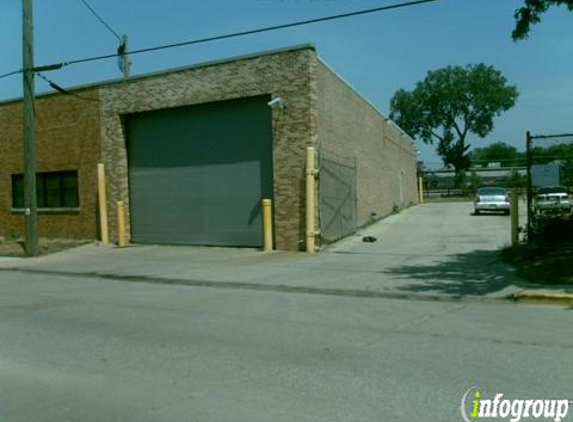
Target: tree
[
  {"x": 499, "y": 152},
  {"x": 562, "y": 152},
  {"x": 449, "y": 104},
  {"x": 530, "y": 14}
]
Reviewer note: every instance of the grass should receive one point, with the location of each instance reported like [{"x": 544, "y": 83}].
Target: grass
[
  {"x": 541, "y": 264},
  {"x": 548, "y": 258},
  {"x": 15, "y": 248}
]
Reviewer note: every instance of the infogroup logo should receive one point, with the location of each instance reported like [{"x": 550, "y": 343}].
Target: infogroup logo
[{"x": 474, "y": 407}]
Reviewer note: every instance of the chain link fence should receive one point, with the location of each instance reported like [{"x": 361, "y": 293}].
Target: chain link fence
[
  {"x": 337, "y": 197},
  {"x": 549, "y": 187},
  {"x": 445, "y": 183}
]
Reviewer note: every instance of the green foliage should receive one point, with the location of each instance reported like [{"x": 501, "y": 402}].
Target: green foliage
[
  {"x": 449, "y": 104},
  {"x": 551, "y": 228},
  {"x": 498, "y": 152},
  {"x": 454, "y": 152},
  {"x": 543, "y": 155},
  {"x": 530, "y": 14},
  {"x": 460, "y": 181},
  {"x": 516, "y": 180},
  {"x": 475, "y": 182}
]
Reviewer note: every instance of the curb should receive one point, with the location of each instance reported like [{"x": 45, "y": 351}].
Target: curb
[
  {"x": 532, "y": 296},
  {"x": 277, "y": 288},
  {"x": 557, "y": 298}
]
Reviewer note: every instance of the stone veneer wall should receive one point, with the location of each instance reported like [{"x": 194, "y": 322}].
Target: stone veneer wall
[
  {"x": 288, "y": 74},
  {"x": 352, "y": 128},
  {"x": 67, "y": 138}
]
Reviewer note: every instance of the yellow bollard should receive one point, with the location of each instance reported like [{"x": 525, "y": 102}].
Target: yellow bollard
[
  {"x": 421, "y": 189},
  {"x": 514, "y": 211},
  {"x": 121, "y": 242},
  {"x": 102, "y": 204},
  {"x": 310, "y": 199},
  {"x": 267, "y": 225}
]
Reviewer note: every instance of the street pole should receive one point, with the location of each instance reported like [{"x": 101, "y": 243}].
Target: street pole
[
  {"x": 529, "y": 184},
  {"x": 514, "y": 212},
  {"x": 30, "y": 202}
]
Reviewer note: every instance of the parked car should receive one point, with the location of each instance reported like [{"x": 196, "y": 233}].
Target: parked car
[
  {"x": 553, "y": 198},
  {"x": 491, "y": 199}
]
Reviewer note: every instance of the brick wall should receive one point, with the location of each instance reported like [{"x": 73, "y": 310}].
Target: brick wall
[
  {"x": 352, "y": 129},
  {"x": 67, "y": 138},
  {"x": 321, "y": 111},
  {"x": 287, "y": 74}
]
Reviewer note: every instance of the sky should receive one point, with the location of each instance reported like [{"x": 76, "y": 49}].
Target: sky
[{"x": 377, "y": 53}]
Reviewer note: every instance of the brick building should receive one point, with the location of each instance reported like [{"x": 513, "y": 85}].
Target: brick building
[{"x": 192, "y": 151}]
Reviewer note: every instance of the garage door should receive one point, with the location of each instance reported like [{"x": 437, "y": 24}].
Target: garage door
[{"x": 197, "y": 174}]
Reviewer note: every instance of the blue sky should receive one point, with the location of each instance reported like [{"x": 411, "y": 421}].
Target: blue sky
[{"x": 377, "y": 53}]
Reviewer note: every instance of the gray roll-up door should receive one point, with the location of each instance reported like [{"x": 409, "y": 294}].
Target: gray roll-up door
[{"x": 197, "y": 174}]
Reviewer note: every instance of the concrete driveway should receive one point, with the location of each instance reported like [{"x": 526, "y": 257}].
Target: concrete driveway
[
  {"x": 436, "y": 250},
  {"x": 439, "y": 248}
]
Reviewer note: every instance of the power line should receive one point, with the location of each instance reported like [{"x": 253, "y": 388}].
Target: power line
[
  {"x": 14, "y": 72},
  {"x": 64, "y": 91},
  {"x": 123, "y": 62},
  {"x": 239, "y": 34},
  {"x": 256, "y": 31},
  {"x": 36, "y": 69},
  {"x": 99, "y": 18}
]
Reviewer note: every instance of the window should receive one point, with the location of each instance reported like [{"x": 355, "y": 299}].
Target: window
[{"x": 56, "y": 189}]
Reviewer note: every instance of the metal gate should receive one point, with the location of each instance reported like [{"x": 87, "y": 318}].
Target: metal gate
[
  {"x": 549, "y": 185},
  {"x": 197, "y": 174},
  {"x": 337, "y": 197}
]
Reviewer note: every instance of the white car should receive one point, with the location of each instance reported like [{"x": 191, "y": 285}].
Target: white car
[
  {"x": 491, "y": 199},
  {"x": 553, "y": 198}
]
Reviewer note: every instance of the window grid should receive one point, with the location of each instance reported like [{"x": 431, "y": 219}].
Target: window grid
[{"x": 57, "y": 189}]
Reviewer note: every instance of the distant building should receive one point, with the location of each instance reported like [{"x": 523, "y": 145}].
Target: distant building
[
  {"x": 445, "y": 179},
  {"x": 546, "y": 174}
]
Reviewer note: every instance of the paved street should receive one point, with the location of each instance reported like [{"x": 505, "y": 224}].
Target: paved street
[
  {"x": 151, "y": 333},
  {"x": 87, "y": 349}
]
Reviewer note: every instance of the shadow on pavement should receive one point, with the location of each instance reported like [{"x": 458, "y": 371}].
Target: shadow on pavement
[{"x": 479, "y": 273}]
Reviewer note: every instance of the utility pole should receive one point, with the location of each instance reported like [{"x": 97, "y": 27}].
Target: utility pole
[
  {"x": 30, "y": 202},
  {"x": 529, "y": 185}
]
